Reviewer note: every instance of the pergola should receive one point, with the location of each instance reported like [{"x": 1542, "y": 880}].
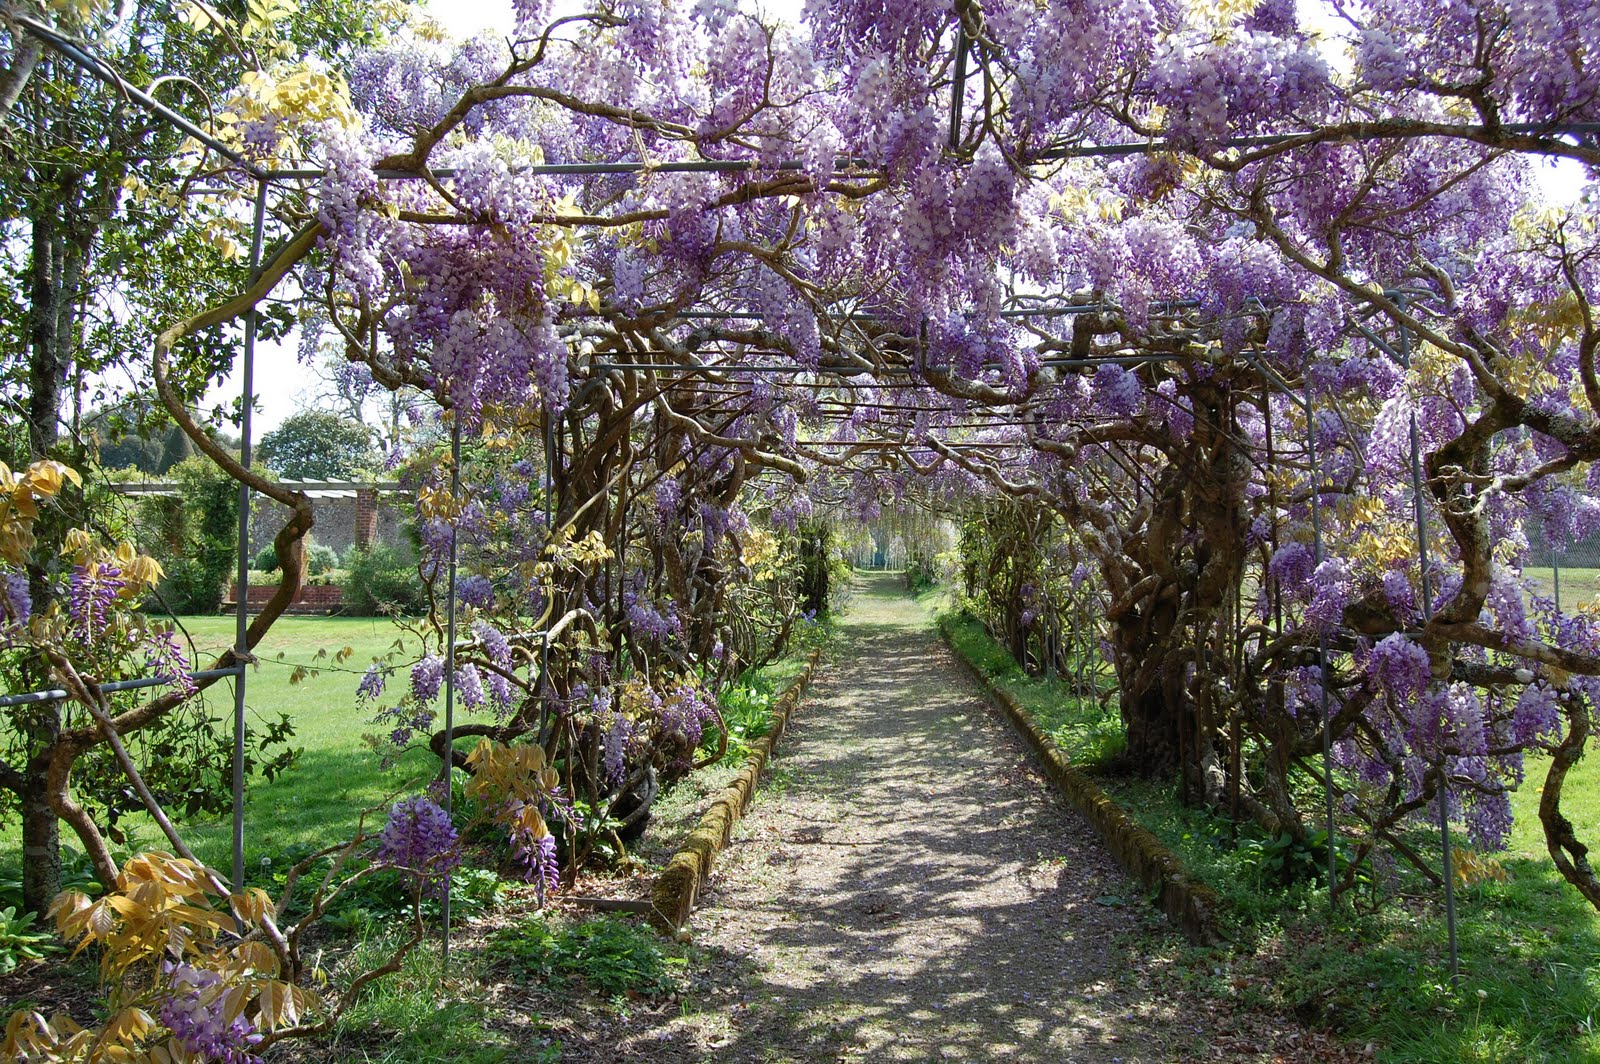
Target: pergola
[{"x": 848, "y": 386}]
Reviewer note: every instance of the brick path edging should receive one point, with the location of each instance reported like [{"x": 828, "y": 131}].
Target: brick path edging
[
  {"x": 673, "y": 895},
  {"x": 1188, "y": 903}
]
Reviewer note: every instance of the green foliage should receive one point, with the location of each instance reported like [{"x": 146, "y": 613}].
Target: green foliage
[
  {"x": 387, "y": 899},
  {"x": 379, "y": 900},
  {"x": 747, "y": 710},
  {"x": 922, "y": 572},
  {"x": 1282, "y": 860},
  {"x": 320, "y": 559},
  {"x": 336, "y": 776},
  {"x": 186, "y": 759},
  {"x": 1529, "y": 946},
  {"x": 1530, "y": 958},
  {"x": 137, "y": 436},
  {"x": 609, "y": 956},
  {"x": 381, "y": 580},
  {"x": 1070, "y": 708},
  {"x": 193, "y": 535},
  {"x": 19, "y": 941},
  {"x": 266, "y": 560},
  {"x": 77, "y": 873},
  {"x": 317, "y": 445}
]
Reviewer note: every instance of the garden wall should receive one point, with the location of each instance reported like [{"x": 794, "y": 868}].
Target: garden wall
[{"x": 345, "y": 517}]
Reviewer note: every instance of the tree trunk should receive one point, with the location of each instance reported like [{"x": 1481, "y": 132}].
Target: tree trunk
[
  {"x": 41, "y": 848},
  {"x": 41, "y": 830},
  {"x": 45, "y": 369}
]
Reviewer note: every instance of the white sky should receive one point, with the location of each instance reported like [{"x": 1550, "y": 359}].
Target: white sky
[{"x": 285, "y": 386}]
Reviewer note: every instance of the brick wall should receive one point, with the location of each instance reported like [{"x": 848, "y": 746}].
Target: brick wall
[
  {"x": 340, "y": 520},
  {"x": 317, "y": 599}
]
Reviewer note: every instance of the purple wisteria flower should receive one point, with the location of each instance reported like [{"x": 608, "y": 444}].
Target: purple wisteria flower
[
  {"x": 684, "y": 712},
  {"x": 193, "y": 1010},
  {"x": 648, "y": 621},
  {"x": 615, "y": 748},
  {"x": 419, "y": 838},
  {"x": 495, "y": 643},
  {"x": 1400, "y": 665},
  {"x": 427, "y": 676},
  {"x": 469, "y": 686},
  {"x": 1292, "y": 567},
  {"x": 1537, "y": 715},
  {"x": 166, "y": 659},
  {"x": 475, "y": 590},
  {"x": 1332, "y": 591},
  {"x": 1398, "y": 594},
  {"x": 16, "y": 604},
  {"x": 371, "y": 687},
  {"x": 543, "y": 867},
  {"x": 94, "y": 588}
]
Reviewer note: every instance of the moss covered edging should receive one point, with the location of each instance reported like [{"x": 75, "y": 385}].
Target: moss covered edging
[
  {"x": 673, "y": 896},
  {"x": 1188, "y": 903}
]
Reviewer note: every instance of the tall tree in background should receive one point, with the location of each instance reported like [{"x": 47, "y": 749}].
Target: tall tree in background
[{"x": 317, "y": 445}]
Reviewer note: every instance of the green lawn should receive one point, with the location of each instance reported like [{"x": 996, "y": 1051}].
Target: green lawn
[
  {"x": 1578, "y": 586},
  {"x": 321, "y": 799},
  {"x": 337, "y": 776}
]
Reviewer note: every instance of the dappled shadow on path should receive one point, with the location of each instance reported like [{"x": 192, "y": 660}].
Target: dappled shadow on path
[{"x": 909, "y": 890}]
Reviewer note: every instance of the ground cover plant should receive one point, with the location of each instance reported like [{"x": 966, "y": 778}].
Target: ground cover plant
[{"x": 1242, "y": 354}]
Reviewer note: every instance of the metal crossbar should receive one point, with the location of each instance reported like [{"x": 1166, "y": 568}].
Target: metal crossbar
[{"x": 57, "y": 694}]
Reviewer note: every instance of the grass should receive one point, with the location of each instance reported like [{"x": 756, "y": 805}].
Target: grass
[
  {"x": 602, "y": 955},
  {"x": 1086, "y": 728},
  {"x": 1577, "y": 585},
  {"x": 419, "y": 1014},
  {"x": 1529, "y": 946},
  {"x": 336, "y": 776}
]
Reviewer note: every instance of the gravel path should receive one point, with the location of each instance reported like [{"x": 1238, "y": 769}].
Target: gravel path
[{"x": 907, "y": 888}]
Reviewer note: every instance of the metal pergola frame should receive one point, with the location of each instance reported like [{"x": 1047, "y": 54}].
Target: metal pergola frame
[{"x": 81, "y": 55}]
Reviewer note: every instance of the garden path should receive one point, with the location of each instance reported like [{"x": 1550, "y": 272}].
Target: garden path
[{"x": 906, "y": 886}]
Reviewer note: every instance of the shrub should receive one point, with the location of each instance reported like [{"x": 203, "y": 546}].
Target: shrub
[
  {"x": 320, "y": 559},
  {"x": 382, "y": 580},
  {"x": 267, "y": 559},
  {"x": 193, "y": 535}
]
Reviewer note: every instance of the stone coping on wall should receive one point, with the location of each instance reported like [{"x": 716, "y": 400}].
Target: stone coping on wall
[
  {"x": 1191, "y": 905},
  {"x": 673, "y": 896}
]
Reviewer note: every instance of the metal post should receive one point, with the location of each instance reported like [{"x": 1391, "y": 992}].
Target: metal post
[
  {"x": 1555, "y": 573},
  {"x": 448, "y": 769},
  {"x": 1420, "y": 507},
  {"x": 545, "y": 689},
  {"x": 958, "y": 88},
  {"x": 241, "y": 647},
  {"x": 1322, "y": 651}
]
